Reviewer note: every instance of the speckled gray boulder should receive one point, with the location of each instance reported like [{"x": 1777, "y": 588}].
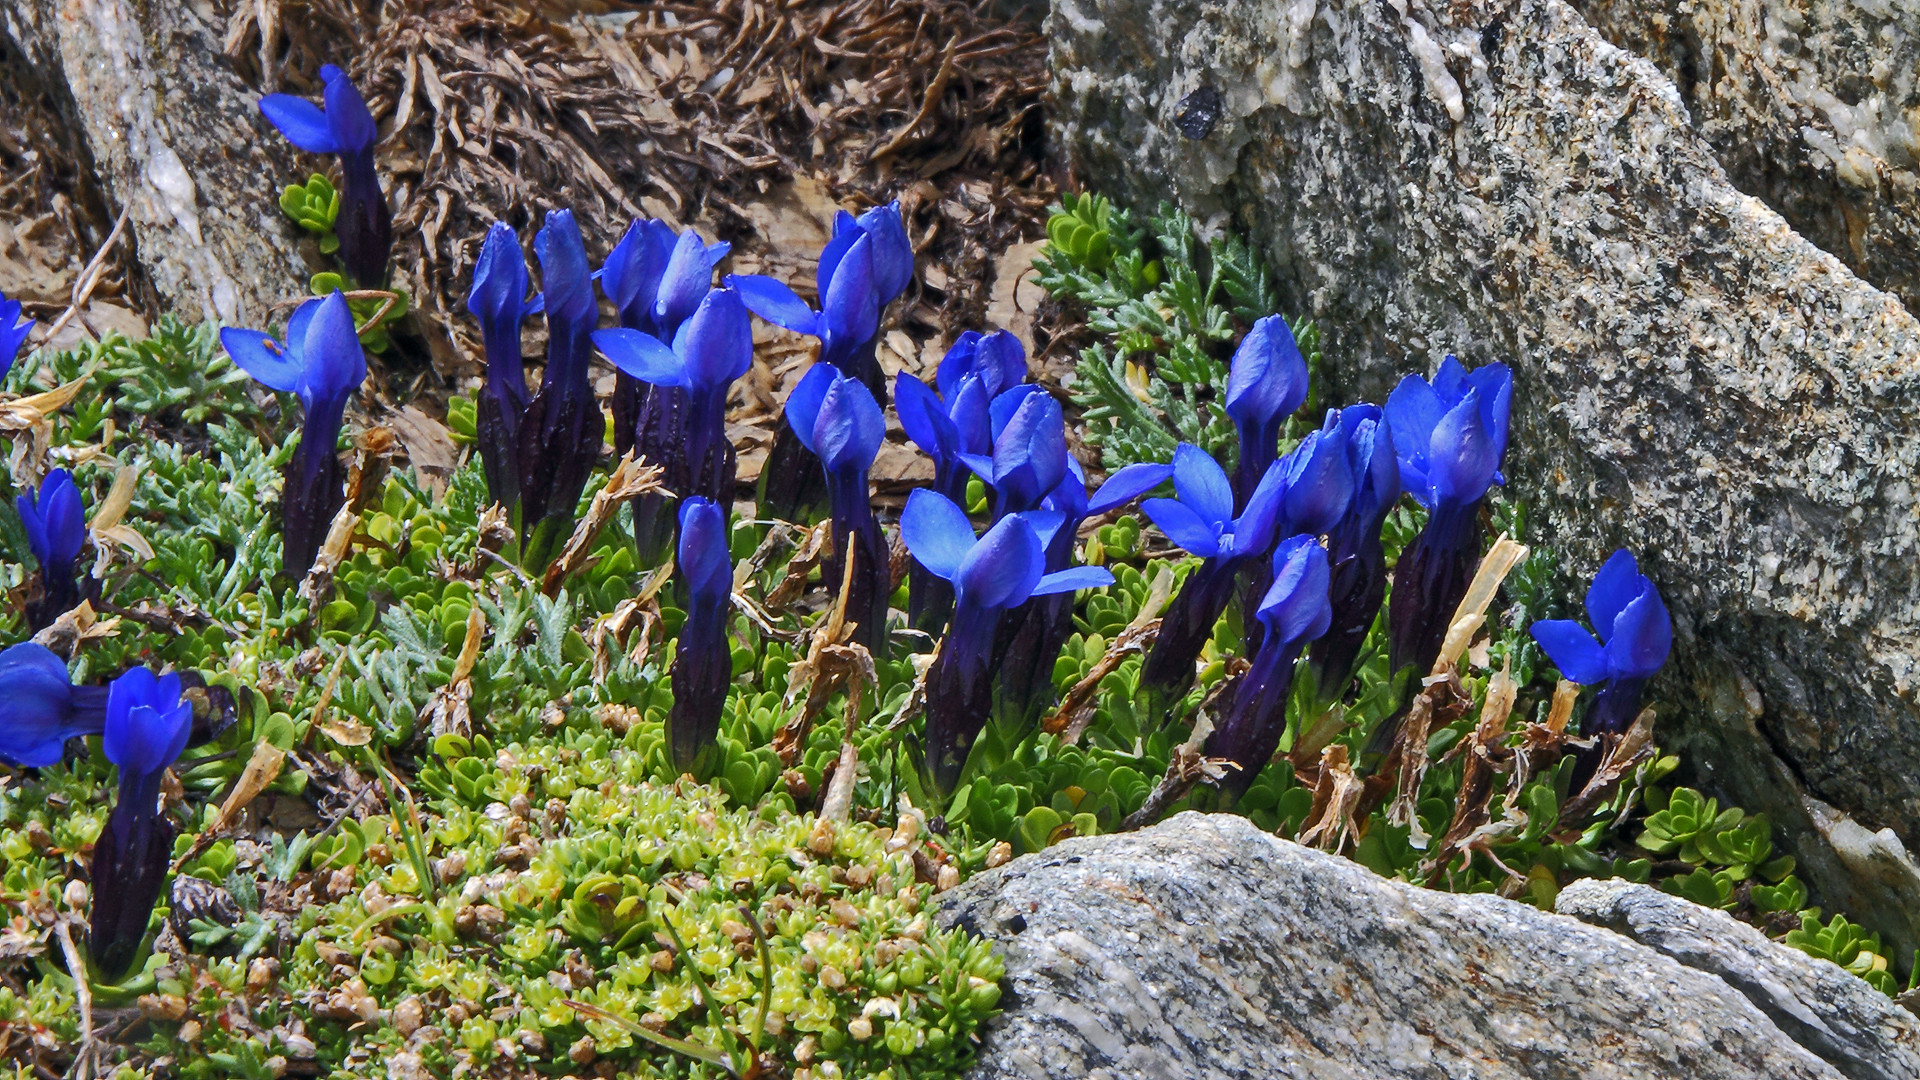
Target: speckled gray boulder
[
  {"x": 1812, "y": 105},
  {"x": 164, "y": 125},
  {"x": 1693, "y": 379},
  {"x": 1205, "y": 949},
  {"x": 1854, "y": 1027}
]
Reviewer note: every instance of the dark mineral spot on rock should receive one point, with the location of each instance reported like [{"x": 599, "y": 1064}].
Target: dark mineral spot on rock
[
  {"x": 1199, "y": 112},
  {"x": 1017, "y": 924}
]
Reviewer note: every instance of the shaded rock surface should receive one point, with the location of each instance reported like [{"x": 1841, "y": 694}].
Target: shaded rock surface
[
  {"x": 160, "y": 119},
  {"x": 1694, "y": 379},
  {"x": 1852, "y": 1026},
  {"x": 1203, "y": 947},
  {"x": 1812, "y": 105}
]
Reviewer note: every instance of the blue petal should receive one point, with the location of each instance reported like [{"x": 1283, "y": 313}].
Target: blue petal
[
  {"x": 631, "y": 275},
  {"x": 684, "y": 283},
  {"x": 1572, "y": 650},
  {"x": 1253, "y": 530},
  {"x": 333, "y": 365},
  {"x": 1462, "y": 460},
  {"x": 1642, "y": 637},
  {"x": 1030, "y": 454},
  {"x": 34, "y": 695},
  {"x": 1613, "y": 588},
  {"x": 1412, "y": 411},
  {"x": 1202, "y": 485},
  {"x": 1003, "y": 568},
  {"x": 12, "y": 334},
  {"x": 924, "y": 418},
  {"x": 260, "y": 356},
  {"x": 642, "y": 356},
  {"x": 958, "y": 363},
  {"x": 63, "y": 517},
  {"x": 1268, "y": 379},
  {"x": 892, "y": 252},
  {"x": 936, "y": 532},
  {"x": 566, "y": 277},
  {"x": 971, "y": 412},
  {"x": 1128, "y": 484},
  {"x": 1319, "y": 483},
  {"x": 1072, "y": 580},
  {"x": 1001, "y": 362},
  {"x": 1450, "y": 382},
  {"x": 803, "y": 401},
  {"x": 1182, "y": 526},
  {"x": 981, "y": 465},
  {"x": 353, "y": 128},
  {"x": 500, "y": 281},
  {"x": 1296, "y": 607},
  {"x": 301, "y": 121},
  {"x": 1006, "y": 403},
  {"x": 845, "y": 234},
  {"x": 1495, "y": 384},
  {"x": 774, "y": 302},
  {"x": 703, "y": 554},
  {"x": 849, "y": 308},
  {"x": 1046, "y": 524},
  {"x": 1069, "y": 496},
  {"x": 849, "y": 428},
  {"x": 716, "y": 343},
  {"x": 147, "y": 723}
]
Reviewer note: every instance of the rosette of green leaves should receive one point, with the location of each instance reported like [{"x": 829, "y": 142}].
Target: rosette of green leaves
[{"x": 313, "y": 206}]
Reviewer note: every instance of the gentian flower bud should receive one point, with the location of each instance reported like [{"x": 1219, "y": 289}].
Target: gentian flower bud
[
  {"x": 1294, "y": 612},
  {"x": 562, "y": 432},
  {"x": 1449, "y": 437},
  {"x": 839, "y": 422},
  {"x": 1035, "y": 632},
  {"x": 347, "y": 129},
  {"x": 989, "y": 575},
  {"x": 1358, "y": 565},
  {"x": 702, "y": 660},
  {"x": 862, "y": 269},
  {"x": 323, "y": 364},
  {"x": 146, "y": 728},
  {"x": 40, "y": 709},
  {"x": 1200, "y": 519},
  {"x": 1266, "y": 384},
  {"x": 56, "y": 531},
  {"x": 499, "y": 300},
  {"x": 656, "y": 280},
  {"x": 1635, "y": 635},
  {"x": 1029, "y": 458},
  {"x": 13, "y": 333},
  {"x": 710, "y": 350}
]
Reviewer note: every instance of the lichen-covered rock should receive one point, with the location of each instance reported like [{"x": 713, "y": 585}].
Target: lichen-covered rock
[
  {"x": 1854, "y": 1027},
  {"x": 1205, "y": 948},
  {"x": 1692, "y": 378},
  {"x": 1812, "y": 105},
  {"x": 169, "y": 130}
]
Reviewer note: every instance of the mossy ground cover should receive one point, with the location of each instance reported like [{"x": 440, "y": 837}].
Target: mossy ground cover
[{"x": 458, "y": 846}]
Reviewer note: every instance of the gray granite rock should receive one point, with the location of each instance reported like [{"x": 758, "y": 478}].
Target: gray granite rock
[
  {"x": 1852, "y": 1026},
  {"x": 1693, "y": 378},
  {"x": 1812, "y": 105},
  {"x": 1205, "y": 948},
  {"x": 167, "y": 127}
]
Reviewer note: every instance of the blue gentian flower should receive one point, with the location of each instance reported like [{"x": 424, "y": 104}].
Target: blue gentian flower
[
  {"x": 1266, "y": 384},
  {"x": 1029, "y": 457},
  {"x": 656, "y": 280},
  {"x": 989, "y": 575},
  {"x": 499, "y": 301},
  {"x": 40, "y": 709},
  {"x": 13, "y": 333},
  {"x": 1359, "y": 566},
  {"x": 1201, "y": 520},
  {"x": 862, "y": 269},
  {"x": 711, "y": 348},
  {"x": 562, "y": 432},
  {"x": 997, "y": 360},
  {"x": 1449, "y": 436},
  {"x": 702, "y": 660},
  {"x": 838, "y": 421},
  {"x": 346, "y": 129},
  {"x": 1635, "y": 635},
  {"x": 323, "y": 364},
  {"x": 1293, "y": 612},
  {"x": 146, "y": 728},
  {"x": 1319, "y": 490},
  {"x": 56, "y": 526}
]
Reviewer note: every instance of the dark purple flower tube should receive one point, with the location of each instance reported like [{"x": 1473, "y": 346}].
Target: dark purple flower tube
[
  {"x": 562, "y": 432},
  {"x": 347, "y": 129},
  {"x": 702, "y": 660},
  {"x": 499, "y": 301},
  {"x": 322, "y": 363},
  {"x": 1294, "y": 612},
  {"x": 146, "y": 728}
]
